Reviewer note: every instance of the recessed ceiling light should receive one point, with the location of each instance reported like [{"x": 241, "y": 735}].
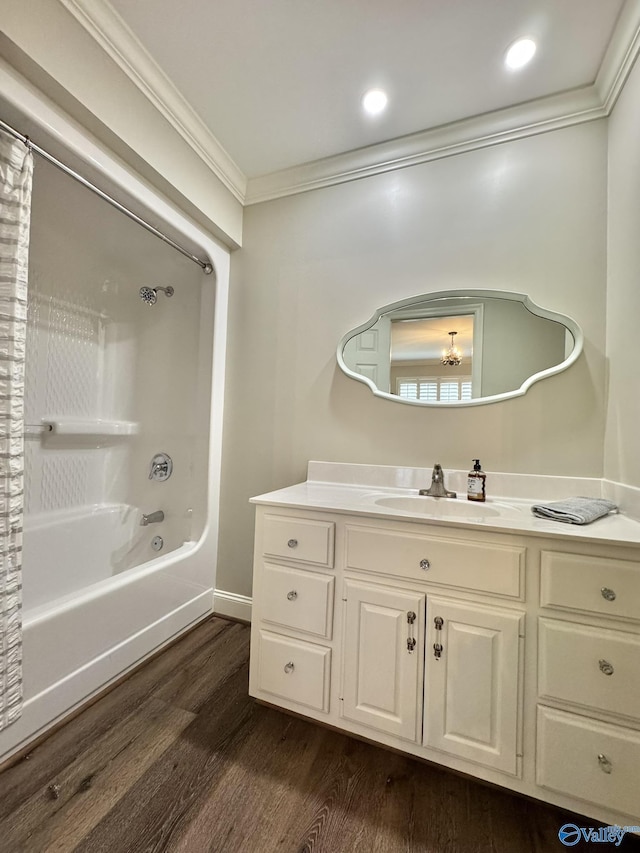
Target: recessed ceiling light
[
  {"x": 374, "y": 101},
  {"x": 520, "y": 53}
]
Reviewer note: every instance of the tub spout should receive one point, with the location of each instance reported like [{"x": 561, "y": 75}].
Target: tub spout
[{"x": 152, "y": 518}]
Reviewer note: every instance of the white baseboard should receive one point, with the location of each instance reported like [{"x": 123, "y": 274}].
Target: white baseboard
[{"x": 231, "y": 604}]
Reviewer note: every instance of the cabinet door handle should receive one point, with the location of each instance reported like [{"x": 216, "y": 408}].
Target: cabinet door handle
[
  {"x": 425, "y": 564},
  {"x": 438, "y": 648},
  {"x": 605, "y": 763},
  {"x": 411, "y": 640},
  {"x": 292, "y": 595},
  {"x": 608, "y": 594},
  {"x": 289, "y": 667},
  {"x": 605, "y": 666},
  {"x": 292, "y": 543}
]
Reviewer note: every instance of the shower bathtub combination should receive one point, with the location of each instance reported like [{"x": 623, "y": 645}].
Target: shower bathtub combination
[{"x": 123, "y": 394}]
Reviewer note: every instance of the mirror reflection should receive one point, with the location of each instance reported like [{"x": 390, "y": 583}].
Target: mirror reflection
[{"x": 459, "y": 347}]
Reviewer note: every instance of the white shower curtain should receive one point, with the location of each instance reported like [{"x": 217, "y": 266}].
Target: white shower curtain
[{"x": 16, "y": 168}]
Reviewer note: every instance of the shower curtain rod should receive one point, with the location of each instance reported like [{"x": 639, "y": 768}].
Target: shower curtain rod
[{"x": 206, "y": 267}]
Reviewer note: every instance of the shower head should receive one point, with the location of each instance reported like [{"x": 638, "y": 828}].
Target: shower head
[{"x": 149, "y": 295}]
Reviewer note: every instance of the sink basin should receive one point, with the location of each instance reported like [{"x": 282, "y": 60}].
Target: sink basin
[{"x": 440, "y": 507}]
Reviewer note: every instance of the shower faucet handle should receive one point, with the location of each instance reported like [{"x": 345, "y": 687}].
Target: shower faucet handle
[
  {"x": 161, "y": 467},
  {"x": 158, "y": 470}
]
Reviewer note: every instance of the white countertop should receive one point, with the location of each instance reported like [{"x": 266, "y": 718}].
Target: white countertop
[{"x": 498, "y": 514}]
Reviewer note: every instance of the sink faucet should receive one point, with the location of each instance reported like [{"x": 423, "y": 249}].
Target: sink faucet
[
  {"x": 152, "y": 518},
  {"x": 437, "y": 488}
]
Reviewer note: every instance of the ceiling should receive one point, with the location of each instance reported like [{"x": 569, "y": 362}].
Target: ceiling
[
  {"x": 427, "y": 338},
  {"x": 278, "y": 83}
]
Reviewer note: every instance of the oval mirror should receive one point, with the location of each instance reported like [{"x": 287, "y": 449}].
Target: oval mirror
[{"x": 459, "y": 348}]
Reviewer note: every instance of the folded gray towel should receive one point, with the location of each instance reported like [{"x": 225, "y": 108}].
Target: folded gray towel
[{"x": 575, "y": 510}]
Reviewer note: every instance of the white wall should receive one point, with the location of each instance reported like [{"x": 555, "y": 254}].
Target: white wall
[
  {"x": 527, "y": 216},
  {"x": 622, "y": 457}
]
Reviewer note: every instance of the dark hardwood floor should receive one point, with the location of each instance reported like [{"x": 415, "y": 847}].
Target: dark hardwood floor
[{"x": 179, "y": 758}]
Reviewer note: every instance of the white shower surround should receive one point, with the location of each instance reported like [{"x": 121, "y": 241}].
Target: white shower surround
[{"x": 86, "y": 638}]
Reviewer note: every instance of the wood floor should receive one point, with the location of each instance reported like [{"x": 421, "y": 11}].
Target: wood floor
[{"x": 179, "y": 758}]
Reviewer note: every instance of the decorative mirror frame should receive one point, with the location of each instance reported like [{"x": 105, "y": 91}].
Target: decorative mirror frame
[{"x": 531, "y": 306}]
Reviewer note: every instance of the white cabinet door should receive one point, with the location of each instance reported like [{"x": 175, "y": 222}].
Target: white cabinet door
[
  {"x": 383, "y": 659},
  {"x": 471, "y": 684}
]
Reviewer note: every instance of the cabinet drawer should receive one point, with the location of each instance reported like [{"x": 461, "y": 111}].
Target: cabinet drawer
[
  {"x": 298, "y": 599},
  {"x": 595, "y": 667},
  {"x": 594, "y": 584},
  {"x": 592, "y": 761},
  {"x": 485, "y": 567},
  {"x": 294, "y": 670},
  {"x": 299, "y": 539}
]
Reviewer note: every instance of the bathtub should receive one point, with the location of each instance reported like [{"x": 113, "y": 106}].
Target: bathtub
[
  {"x": 77, "y": 643},
  {"x": 107, "y": 600}
]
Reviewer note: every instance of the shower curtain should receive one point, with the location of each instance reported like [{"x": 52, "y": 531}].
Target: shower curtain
[{"x": 16, "y": 169}]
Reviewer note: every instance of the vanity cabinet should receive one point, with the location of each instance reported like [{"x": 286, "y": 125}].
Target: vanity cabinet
[{"x": 513, "y": 658}]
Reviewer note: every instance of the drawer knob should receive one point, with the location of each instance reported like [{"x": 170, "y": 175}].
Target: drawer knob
[
  {"x": 289, "y": 667},
  {"x": 605, "y": 764},
  {"x": 292, "y": 543},
  {"x": 605, "y": 666},
  {"x": 292, "y": 595},
  {"x": 425, "y": 564},
  {"x": 608, "y": 594}
]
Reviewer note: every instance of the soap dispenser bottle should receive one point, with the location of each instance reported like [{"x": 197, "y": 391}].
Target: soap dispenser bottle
[{"x": 476, "y": 482}]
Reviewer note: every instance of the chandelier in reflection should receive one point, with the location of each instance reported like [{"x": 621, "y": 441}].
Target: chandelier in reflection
[{"x": 452, "y": 356}]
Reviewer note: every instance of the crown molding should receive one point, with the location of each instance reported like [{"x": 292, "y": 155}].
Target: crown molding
[
  {"x": 484, "y": 131},
  {"x": 566, "y": 109},
  {"x": 109, "y": 30},
  {"x": 620, "y": 56}
]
